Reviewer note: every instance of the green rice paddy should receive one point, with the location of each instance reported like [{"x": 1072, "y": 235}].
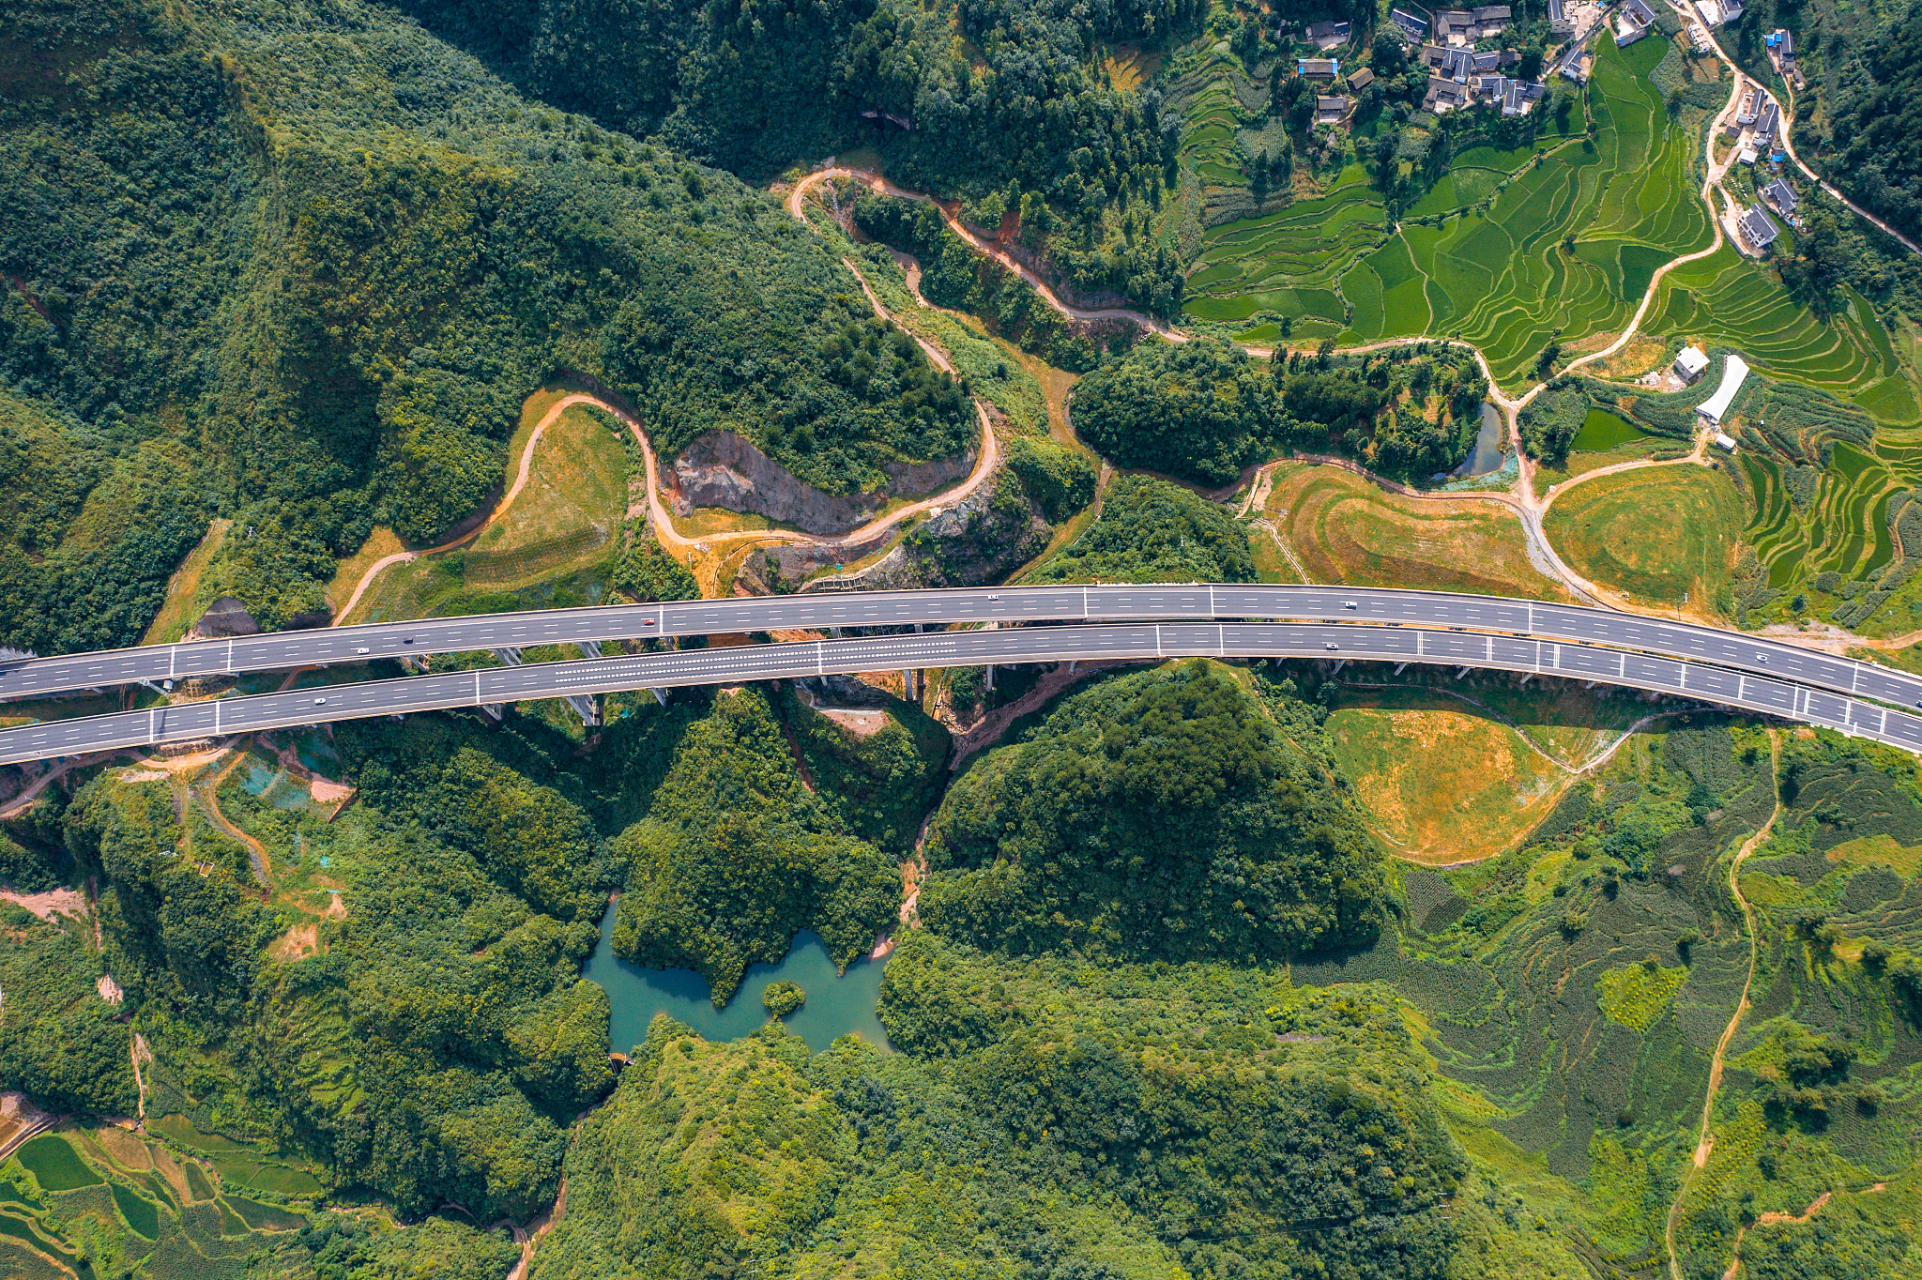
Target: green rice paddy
[
  {"x": 1602, "y": 431},
  {"x": 55, "y": 1165}
]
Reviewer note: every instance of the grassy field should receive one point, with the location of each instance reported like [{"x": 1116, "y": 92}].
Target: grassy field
[
  {"x": 1656, "y": 535},
  {"x": 1344, "y": 529},
  {"x": 570, "y": 510},
  {"x": 1443, "y": 780},
  {"x": 564, "y": 527},
  {"x": 184, "y": 605}
]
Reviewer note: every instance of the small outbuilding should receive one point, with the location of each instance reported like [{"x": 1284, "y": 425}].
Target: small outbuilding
[
  {"x": 1691, "y": 363},
  {"x": 1712, "y": 409}
]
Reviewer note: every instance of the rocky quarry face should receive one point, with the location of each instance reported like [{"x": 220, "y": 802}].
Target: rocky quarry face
[
  {"x": 724, "y": 470},
  {"x": 980, "y": 539}
]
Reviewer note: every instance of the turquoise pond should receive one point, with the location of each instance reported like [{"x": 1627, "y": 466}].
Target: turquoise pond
[{"x": 836, "y": 1004}]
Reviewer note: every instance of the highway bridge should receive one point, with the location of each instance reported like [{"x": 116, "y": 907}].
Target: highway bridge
[
  {"x": 1575, "y": 624},
  {"x": 1363, "y": 640}
]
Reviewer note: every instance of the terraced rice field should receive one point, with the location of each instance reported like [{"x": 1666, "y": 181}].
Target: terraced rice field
[
  {"x": 1495, "y": 269},
  {"x": 1500, "y": 275},
  {"x": 1842, "y": 527},
  {"x": 1727, "y": 300},
  {"x": 1289, "y": 262},
  {"x": 1344, "y": 529}
]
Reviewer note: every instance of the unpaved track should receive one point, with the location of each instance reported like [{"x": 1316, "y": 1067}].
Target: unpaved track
[
  {"x": 662, "y": 521},
  {"x": 1704, "y": 1135},
  {"x": 1522, "y": 498}
]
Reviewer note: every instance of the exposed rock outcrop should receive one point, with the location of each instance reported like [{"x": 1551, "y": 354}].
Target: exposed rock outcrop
[{"x": 724, "y": 470}]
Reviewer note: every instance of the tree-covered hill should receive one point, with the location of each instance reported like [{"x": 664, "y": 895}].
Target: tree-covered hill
[
  {"x": 1178, "y": 813},
  {"x": 299, "y": 265}
]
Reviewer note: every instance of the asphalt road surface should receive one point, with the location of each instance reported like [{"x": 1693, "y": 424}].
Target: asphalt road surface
[
  {"x": 284, "y": 651},
  {"x": 1363, "y": 641}
]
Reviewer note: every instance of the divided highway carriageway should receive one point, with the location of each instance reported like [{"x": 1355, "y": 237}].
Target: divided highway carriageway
[
  {"x": 1366, "y": 639},
  {"x": 286, "y": 650}
]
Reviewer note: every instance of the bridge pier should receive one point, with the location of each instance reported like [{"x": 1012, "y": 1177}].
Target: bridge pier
[
  {"x": 907, "y": 684},
  {"x": 588, "y": 648},
  {"x": 659, "y": 696},
  {"x": 493, "y": 710},
  {"x": 987, "y": 679},
  {"x": 1339, "y": 664},
  {"x": 414, "y": 662},
  {"x": 1462, "y": 671},
  {"x": 510, "y": 657},
  {"x": 1399, "y": 666}
]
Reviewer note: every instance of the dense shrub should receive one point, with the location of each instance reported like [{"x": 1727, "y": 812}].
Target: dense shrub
[
  {"x": 1199, "y": 410},
  {"x": 1153, "y": 531}
]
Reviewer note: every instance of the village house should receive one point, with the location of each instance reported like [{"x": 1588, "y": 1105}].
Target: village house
[
  {"x": 1415, "y": 28},
  {"x": 1326, "y": 35},
  {"x": 1444, "y": 96},
  {"x": 1691, "y": 363},
  {"x": 1318, "y": 68},
  {"x": 1359, "y": 80},
  {"x": 1330, "y": 110},
  {"x": 1633, "y": 22},
  {"x": 1780, "y": 197},
  {"x": 1757, "y": 228}
]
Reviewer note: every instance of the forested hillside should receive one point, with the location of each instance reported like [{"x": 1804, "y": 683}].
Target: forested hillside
[
  {"x": 1001, "y": 103},
  {"x": 300, "y": 266}
]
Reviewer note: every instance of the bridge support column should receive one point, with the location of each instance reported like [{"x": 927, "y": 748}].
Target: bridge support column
[
  {"x": 1460, "y": 672},
  {"x": 586, "y": 708},
  {"x": 510, "y": 657},
  {"x": 987, "y": 680},
  {"x": 907, "y": 684},
  {"x": 1527, "y": 676},
  {"x": 588, "y": 648},
  {"x": 1399, "y": 666},
  {"x": 492, "y": 710},
  {"x": 659, "y": 696},
  {"x": 414, "y": 662},
  {"x": 1339, "y": 664},
  {"x": 835, "y": 632}
]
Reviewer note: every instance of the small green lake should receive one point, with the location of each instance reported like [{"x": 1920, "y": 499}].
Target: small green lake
[
  {"x": 836, "y": 1004},
  {"x": 1602, "y": 431}
]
